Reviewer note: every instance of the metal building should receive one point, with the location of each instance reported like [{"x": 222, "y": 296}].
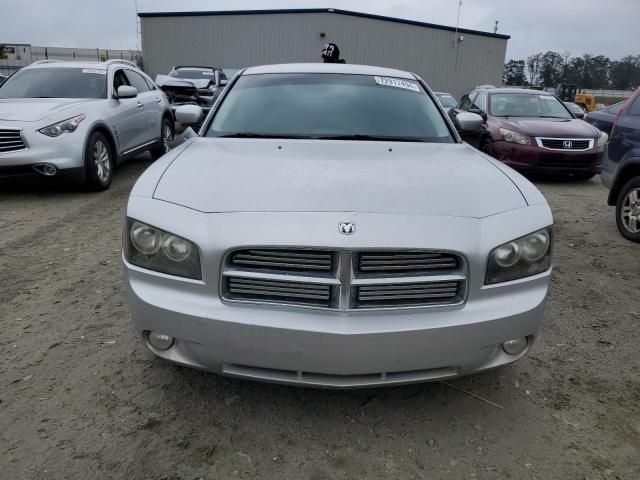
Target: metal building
[{"x": 448, "y": 59}]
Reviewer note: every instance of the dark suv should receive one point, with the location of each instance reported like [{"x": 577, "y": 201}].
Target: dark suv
[
  {"x": 533, "y": 131},
  {"x": 621, "y": 168}
]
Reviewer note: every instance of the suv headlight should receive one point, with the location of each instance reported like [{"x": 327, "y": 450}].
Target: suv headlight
[
  {"x": 602, "y": 139},
  {"x": 520, "y": 258},
  {"x": 66, "y": 126},
  {"x": 514, "y": 137},
  {"x": 155, "y": 249}
]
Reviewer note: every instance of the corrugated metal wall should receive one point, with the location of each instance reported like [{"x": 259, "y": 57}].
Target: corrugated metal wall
[{"x": 252, "y": 39}]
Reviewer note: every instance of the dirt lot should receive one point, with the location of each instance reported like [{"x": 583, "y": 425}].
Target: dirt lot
[{"x": 80, "y": 398}]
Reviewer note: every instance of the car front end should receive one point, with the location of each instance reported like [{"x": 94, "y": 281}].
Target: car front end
[
  {"x": 46, "y": 148},
  {"x": 549, "y": 154},
  {"x": 327, "y": 260}
]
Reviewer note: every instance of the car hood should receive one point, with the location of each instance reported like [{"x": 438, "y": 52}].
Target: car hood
[
  {"x": 239, "y": 175},
  {"x": 34, "y": 109},
  {"x": 549, "y": 127},
  {"x": 167, "y": 81}
]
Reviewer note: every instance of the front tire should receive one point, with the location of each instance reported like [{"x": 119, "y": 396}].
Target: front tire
[
  {"x": 167, "y": 134},
  {"x": 628, "y": 210},
  {"x": 99, "y": 162}
]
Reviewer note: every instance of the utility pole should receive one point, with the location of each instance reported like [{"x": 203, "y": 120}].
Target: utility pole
[
  {"x": 495, "y": 28},
  {"x": 138, "y": 29}
]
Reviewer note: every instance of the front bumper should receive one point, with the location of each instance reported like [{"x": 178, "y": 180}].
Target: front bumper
[
  {"x": 65, "y": 153},
  {"x": 531, "y": 158},
  {"x": 333, "y": 348}
]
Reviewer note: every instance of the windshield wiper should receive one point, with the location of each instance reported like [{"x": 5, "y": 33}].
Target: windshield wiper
[
  {"x": 553, "y": 116},
  {"x": 372, "y": 138},
  {"x": 259, "y": 135}
]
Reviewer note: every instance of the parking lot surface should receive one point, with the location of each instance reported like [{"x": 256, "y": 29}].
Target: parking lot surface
[{"x": 81, "y": 398}]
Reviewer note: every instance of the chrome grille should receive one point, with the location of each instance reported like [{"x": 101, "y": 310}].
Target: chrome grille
[
  {"x": 10, "y": 141},
  {"x": 415, "y": 262},
  {"x": 344, "y": 279},
  {"x": 394, "y": 295},
  {"x": 298, "y": 260},
  {"x": 278, "y": 291},
  {"x": 565, "y": 144}
]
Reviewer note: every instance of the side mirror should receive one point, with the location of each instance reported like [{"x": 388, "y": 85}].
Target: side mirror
[
  {"x": 125, "y": 91},
  {"x": 467, "y": 122},
  {"x": 223, "y": 82},
  {"x": 579, "y": 115},
  {"x": 477, "y": 111},
  {"x": 188, "y": 114}
]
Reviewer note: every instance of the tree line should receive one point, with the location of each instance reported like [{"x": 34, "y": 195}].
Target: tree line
[{"x": 588, "y": 71}]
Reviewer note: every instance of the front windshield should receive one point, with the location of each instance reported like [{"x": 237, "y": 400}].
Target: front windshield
[
  {"x": 192, "y": 73},
  {"x": 329, "y": 106},
  {"x": 526, "y": 105},
  {"x": 446, "y": 100},
  {"x": 56, "y": 83}
]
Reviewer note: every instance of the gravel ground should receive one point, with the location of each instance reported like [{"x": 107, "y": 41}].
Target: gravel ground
[{"x": 80, "y": 397}]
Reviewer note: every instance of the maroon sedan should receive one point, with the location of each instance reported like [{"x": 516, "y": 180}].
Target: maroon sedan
[{"x": 532, "y": 131}]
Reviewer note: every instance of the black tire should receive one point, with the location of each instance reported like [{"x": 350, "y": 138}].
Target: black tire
[
  {"x": 487, "y": 147},
  {"x": 165, "y": 141},
  {"x": 624, "y": 205},
  {"x": 99, "y": 162}
]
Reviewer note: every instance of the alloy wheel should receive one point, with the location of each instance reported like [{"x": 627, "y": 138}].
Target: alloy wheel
[
  {"x": 102, "y": 160},
  {"x": 167, "y": 137},
  {"x": 630, "y": 212}
]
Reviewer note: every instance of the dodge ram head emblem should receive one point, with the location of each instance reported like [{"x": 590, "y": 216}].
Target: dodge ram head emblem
[
  {"x": 567, "y": 144},
  {"x": 347, "y": 228}
]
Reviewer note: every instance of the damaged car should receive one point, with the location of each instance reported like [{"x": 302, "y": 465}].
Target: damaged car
[{"x": 192, "y": 85}]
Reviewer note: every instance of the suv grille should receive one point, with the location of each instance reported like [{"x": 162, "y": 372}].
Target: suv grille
[
  {"x": 344, "y": 280},
  {"x": 567, "y": 144},
  {"x": 10, "y": 141}
]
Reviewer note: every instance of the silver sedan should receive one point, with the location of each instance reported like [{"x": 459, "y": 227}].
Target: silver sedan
[{"x": 329, "y": 228}]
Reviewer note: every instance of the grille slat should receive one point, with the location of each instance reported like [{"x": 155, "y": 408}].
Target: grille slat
[
  {"x": 406, "y": 295},
  {"x": 292, "y": 292},
  {"x": 298, "y": 260},
  {"x": 10, "y": 140},
  {"x": 343, "y": 279},
  {"x": 411, "y": 262}
]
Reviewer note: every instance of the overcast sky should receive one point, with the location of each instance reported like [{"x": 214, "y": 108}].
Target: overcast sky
[{"x": 607, "y": 27}]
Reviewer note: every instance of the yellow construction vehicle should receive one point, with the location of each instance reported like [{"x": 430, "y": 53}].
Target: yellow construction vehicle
[{"x": 571, "y": 93}]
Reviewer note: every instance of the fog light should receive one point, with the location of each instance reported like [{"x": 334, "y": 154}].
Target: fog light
[
  {"x": 159, "y": 340},
  {"x": 515, "y": 346}
]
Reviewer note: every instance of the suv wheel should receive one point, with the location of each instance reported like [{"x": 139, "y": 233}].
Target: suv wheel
[
  {"x": 166, "y": 136},
  {"x": 99, "y": 162},
  {"x": 628, "y": 210}
]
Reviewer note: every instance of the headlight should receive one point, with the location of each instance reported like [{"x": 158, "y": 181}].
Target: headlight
[
  {"x": 520, "y": 258},
  {"x": 69, "y": 125},
  {"x": 514, "y": 137},
  {"x": 603, "y": 139},
  {"x": 155, "y": 249}
]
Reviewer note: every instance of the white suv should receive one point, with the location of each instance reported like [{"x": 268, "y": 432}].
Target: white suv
[{"x": 78, "y": 120}]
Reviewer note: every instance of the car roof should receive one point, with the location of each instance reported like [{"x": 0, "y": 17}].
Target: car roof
[
  {"x": 524, "y": 91},
  {"x": 194, "y": 67},
  {"x": 72, "y": 64},
  {"x": 343, "y": 68}
]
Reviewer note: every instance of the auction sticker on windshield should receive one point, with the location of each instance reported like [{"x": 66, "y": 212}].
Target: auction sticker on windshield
[
  {"x": 397, "y": 83},
  {"x": 94, "y": 70}
]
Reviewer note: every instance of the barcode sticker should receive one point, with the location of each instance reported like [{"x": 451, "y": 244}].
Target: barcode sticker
[
  {"x": 397, "y": 83},
  {"x": 94, "y": 70}
]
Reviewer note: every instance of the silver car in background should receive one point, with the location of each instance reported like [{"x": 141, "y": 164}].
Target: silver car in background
[
  {"x": 77, "y": 120},
  {"x": 329, "y": 228}
]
